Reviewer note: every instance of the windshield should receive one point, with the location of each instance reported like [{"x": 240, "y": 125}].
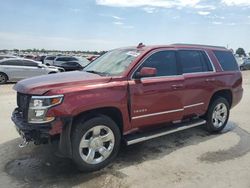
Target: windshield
[{"x": 113, "y": 63}]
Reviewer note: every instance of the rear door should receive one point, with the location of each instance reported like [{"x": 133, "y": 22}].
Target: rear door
[
  {"x": 157, "y": 99},
  {"x": 199, "y": 76},
  {"x": 30, "y": 69}
]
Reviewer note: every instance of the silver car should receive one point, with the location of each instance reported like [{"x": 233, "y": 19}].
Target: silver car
[{"x": 15, "y": 69}]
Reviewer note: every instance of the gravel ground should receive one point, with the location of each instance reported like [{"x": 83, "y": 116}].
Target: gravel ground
[{"x": 190, "y": 158}]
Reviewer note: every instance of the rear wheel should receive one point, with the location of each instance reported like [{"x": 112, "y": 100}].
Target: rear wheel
[
  {"x": 3, "y": 78},
  {"x": 95, "y": 143},
  {"x": 217, "y": 115}
]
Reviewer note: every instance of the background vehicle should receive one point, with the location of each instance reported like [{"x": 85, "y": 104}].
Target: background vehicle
[
  {"x": 132, "y": 94},
  {"x": 16, "y": 69},
  {"x": 48, "y": 60},
  {"x": 7, "y": 56},
  {"x": 245, "y": 65},
  {"x": 74, "y": 65},
  {"x": 58, "y": 61}
]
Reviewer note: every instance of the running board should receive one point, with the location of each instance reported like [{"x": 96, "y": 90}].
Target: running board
[{"x": 136, "y": 138}]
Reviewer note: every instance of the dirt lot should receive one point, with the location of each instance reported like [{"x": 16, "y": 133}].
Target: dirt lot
[{"x": 191, "y": 158}]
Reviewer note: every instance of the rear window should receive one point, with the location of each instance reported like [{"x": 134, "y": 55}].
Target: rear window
[{"x": 226, "y": 60}]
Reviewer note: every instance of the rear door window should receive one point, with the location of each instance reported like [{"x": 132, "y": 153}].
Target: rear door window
[
  {"x": 12, "y": 63},
  {"x": 193, "y": 61},
  {"x": 226, "y": 60},
  {"x": 29, "y": 63}
]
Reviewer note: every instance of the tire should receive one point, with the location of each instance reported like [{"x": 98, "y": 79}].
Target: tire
[
  {"x": 217, "y": 115},
  {"x": 3, "y": 78},
  {"x": 101, "y": 143}
]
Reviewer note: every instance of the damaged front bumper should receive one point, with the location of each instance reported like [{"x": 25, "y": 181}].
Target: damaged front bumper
[
  {"x": 39, "y": 133},
  {"x": 59, "y": 129}
]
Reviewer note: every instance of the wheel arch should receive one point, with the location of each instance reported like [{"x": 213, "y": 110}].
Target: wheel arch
[
  {"x": 112, "y": 112},
  {"x": 225, "y": 93}
]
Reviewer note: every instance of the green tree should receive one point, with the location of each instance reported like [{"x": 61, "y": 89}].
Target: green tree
[{"x": 241, "y": 52}]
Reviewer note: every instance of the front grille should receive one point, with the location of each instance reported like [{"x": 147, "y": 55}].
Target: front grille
[{"x": 23, "y": 104}]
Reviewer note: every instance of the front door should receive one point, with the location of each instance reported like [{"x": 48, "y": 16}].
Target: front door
[{"x": 157, "y": 99}]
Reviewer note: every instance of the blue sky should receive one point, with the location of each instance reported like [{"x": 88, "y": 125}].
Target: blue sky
[{"x": 107, "y": 24}]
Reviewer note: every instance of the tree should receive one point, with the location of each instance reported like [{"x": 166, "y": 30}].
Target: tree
[{"x": 241, "y": 52}]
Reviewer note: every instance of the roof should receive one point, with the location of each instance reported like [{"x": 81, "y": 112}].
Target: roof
[{"x": 188, "y": 46}]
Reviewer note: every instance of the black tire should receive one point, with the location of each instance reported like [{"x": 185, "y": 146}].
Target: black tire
[
  {"x": 81, "y": 128},
  {"x": 3, "y": 78},
  {"x": 209, "y": 116}
]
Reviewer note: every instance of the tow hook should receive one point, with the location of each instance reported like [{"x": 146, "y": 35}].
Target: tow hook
[{"x": 23, "y": 144}]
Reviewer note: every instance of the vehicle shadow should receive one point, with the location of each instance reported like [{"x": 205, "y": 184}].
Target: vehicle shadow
[{"x": 38, "y": 166}]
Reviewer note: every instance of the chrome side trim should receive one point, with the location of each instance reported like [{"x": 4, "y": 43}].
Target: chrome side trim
[
  {"x": 193, "y": 105},
  {"x": 158, "y": 113},
  {"x": 187, "y": 126},
  {"x": 168, "y": 112}
]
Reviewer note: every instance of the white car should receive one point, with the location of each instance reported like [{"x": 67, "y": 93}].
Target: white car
[
  {"x": 49, "y": 60},
  {"x": 15, "y": 69}
]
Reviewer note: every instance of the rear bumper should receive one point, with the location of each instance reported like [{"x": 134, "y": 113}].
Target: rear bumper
[{"x": 237, "y": 96}]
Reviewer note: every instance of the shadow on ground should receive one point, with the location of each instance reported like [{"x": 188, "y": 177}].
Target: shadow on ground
[{"x": 37, "y": 166}]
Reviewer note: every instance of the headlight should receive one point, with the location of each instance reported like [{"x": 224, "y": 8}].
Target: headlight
[{"x": 39, "y": 106}]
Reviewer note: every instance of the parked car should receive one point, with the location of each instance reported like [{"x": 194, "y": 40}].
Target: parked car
[
  {"x": 49, "y": 60},
  {"x": 74, "y": 65},
  {"x": 245, "y": 65},
  {"x": 60, "y": 60},
  {"x": 6, "y": 56},
  {"x": 40, "y": 58},
  {"x": 16, "y": 69},
  {"x": 131, "y": 94}
]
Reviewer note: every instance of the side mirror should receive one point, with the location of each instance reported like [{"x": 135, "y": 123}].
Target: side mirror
[
  {"x": 146, "y": 72},
  {"x": 40, "y": 66}
]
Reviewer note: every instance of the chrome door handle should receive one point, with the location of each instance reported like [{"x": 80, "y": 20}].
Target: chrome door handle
[
  {"x": 178, "y": 86},
  {"x": 210, "y": 80}
]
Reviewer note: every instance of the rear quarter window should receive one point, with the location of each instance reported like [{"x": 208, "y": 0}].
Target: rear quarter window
[{"x": 226, "y": 60}]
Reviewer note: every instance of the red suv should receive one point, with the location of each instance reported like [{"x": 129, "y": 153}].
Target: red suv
[{"x": 128, "y": 94}]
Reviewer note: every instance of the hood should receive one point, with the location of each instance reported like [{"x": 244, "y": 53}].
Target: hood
[{"x": 41, "y": 84}]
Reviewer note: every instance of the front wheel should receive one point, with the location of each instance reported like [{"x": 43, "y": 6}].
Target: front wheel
[
  {"x": 95, "y": 143},
  {"x": 217, "y": 115}
]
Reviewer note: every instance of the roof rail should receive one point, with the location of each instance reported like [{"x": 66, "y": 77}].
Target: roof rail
[{"x": 200, "y": 45}]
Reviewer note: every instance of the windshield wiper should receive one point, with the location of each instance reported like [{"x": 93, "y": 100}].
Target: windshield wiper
[{"x": 96, "y": 72}]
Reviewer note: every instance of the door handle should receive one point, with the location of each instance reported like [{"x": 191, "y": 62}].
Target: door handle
[
  {"x": 178, "y": 86},
  {"x": 210, "y": 80}
]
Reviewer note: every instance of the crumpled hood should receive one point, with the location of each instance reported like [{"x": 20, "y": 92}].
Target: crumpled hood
[{"x": 41, "y": 84}]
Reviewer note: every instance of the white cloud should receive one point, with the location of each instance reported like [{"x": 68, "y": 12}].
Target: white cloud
[
  {"x": 217, "y": 23},
  {"x": 179, "y": 4},
  {"x": 117, "y": 18},
  {"x": 118, "y": 23},
  {"x": 236, "y": 2},
  {"x": 149, "y": 3},
  {"x": 149, "y": 10},
  {"x": 203, "y": 13}
]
